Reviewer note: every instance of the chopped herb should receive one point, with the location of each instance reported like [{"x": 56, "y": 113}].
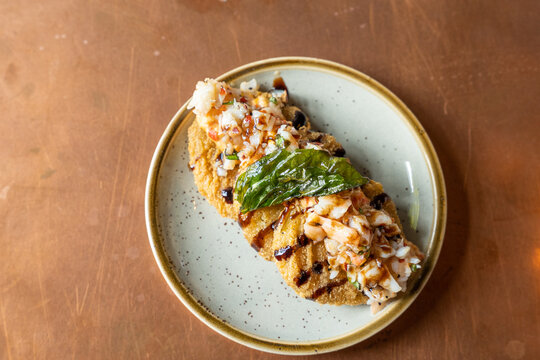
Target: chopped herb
[
  {"x": 414, "y": 267},
  {"x": 233, "y": 156},
  {"x": 229, "y": 102},
  {"x": 281, "y": 142},
  {"x": 356, "y": 285},
  {"x": 273, "y": 100}
]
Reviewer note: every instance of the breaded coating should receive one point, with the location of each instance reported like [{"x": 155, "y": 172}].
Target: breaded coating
[
  {"x": 306, "y": 268},
  {"x": 276, "y": 232},
  {"x": 202, "y": 156}
]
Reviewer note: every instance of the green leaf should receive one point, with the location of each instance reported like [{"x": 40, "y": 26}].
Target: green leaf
[
  {"x": 273, "y": 100},
  {"x": 229, "y": 102},
  {"x": 283, "y": 175},
  {"x": 233, "y": 156}
]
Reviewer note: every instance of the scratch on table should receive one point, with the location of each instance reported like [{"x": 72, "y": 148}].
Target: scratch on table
[
  {"x": 8, "y": 287},
  {"x": 179, "y": 93},
  {"x": 4, "y": 192},
  {"x": 427, "y": 20},
  {"x": 42, "y": 291},
  {"x": 100, "y": 271},
  {"x": 68, "y": 302},
  {"x": 135, "y": 339},
  {"x": 371, "y": 20},
  {"x": 34, "y": 350},
  {"x": 80, "y": 307},
  {"x": 427, "y": 65},
  {"x": 469, "y": 154},
  {"x": 4, "y": 325},
  {"x": 235, "y": 36}
]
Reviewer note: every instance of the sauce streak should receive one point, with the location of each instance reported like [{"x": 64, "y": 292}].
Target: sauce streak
[
  {"x": 305, "y": 274},
  {"x": 258, "y": 241},
  {"x": 287, "y": 251},
  {"x": 245, "y": 219},
  {"x": 279, "y": 84},
  {"x": 227, "y": 195},
  {"x": 284, "y": 213},
  {"x": 328, "y": 288},
  {"x": 302, "y": 278},
  {"x": 317, "y": 267},
  {"x": 284, "y": 253},
  {"x": 302, "y": 240}
]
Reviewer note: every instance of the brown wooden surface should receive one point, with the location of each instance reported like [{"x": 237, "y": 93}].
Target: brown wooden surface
[{"x": 87, "y": 88}]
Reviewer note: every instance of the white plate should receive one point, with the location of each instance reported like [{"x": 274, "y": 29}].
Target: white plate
[{"x": 212, "y": 268}]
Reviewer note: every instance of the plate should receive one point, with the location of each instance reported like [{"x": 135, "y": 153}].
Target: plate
[{"x": 211, "y": 267}]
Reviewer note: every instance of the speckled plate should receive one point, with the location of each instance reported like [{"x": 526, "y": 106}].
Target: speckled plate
[{"x": 217, "y": 275}]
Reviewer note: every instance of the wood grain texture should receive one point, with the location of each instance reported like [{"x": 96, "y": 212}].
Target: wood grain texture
[{"x": 87, "y": 87}]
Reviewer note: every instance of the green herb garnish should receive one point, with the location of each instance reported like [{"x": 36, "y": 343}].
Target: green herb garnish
[
  {"x": 281, "y": 142},
  {"x": 356, "y": 285},
  {"x": 229, "y": 102},
  {"x": 414, "y": 267},
  {"x": 273, "y": 100},
  {"x": 283, "y": 175},
  {"x": 233, "y": 156}
]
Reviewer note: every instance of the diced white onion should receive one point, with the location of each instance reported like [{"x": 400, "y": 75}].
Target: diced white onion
[
  {"x": 402, "y": 252},
  {"x": 221, "y": 171},
  {"x": 333, "y": 274}
]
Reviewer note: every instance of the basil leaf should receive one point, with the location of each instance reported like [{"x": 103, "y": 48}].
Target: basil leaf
[{"x": 283, "y": 175}]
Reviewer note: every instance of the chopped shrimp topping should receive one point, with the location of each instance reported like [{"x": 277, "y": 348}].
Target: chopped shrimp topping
[
  {"x": 362, "y": 241},
  {"x": 244, "y": 122}
]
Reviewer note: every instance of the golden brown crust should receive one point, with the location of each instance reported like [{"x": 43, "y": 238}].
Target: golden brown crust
[
  {"x": 306, "y": 270},
  {"x": 303, "y": 258},
  {"x": 202, "y": 156}
]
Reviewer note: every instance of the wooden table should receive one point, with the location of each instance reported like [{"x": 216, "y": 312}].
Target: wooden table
[{"x": 87, "y": 88}]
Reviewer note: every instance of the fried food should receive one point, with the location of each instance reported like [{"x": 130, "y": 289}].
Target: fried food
[{"x": 344, "y": 247}]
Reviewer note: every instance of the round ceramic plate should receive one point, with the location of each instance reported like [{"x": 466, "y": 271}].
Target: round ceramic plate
[{"x": 212, "y": 268}]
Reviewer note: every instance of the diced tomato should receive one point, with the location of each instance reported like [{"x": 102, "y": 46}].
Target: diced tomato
[
  {"x": 243, "y": 100},
  {"x": 222, "y": 91},
  {"x": 213, "y": 134}
]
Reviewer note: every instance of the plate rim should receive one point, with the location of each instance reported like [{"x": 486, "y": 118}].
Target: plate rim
[{"x": 328, "y": 344}]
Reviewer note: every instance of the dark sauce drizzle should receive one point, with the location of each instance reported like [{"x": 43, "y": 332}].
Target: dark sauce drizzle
[
  {"x": 378, "y": 201},
  {"x": 284, "y": 213},
  {"x": 317, "y": 267},
  {"x": 302, "y": 278},
  {"x": 245, "y": 219},
  {"x": 284, "y": 253},
  {"x": 287, "y": 251},
  {"x": 258, "y": 241},
  {"x": 305, "y": 274},
  {"x": 279, "y": 84},
  {"x": 328, "y": 289},
  {"x": 227, "y": 195}
]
